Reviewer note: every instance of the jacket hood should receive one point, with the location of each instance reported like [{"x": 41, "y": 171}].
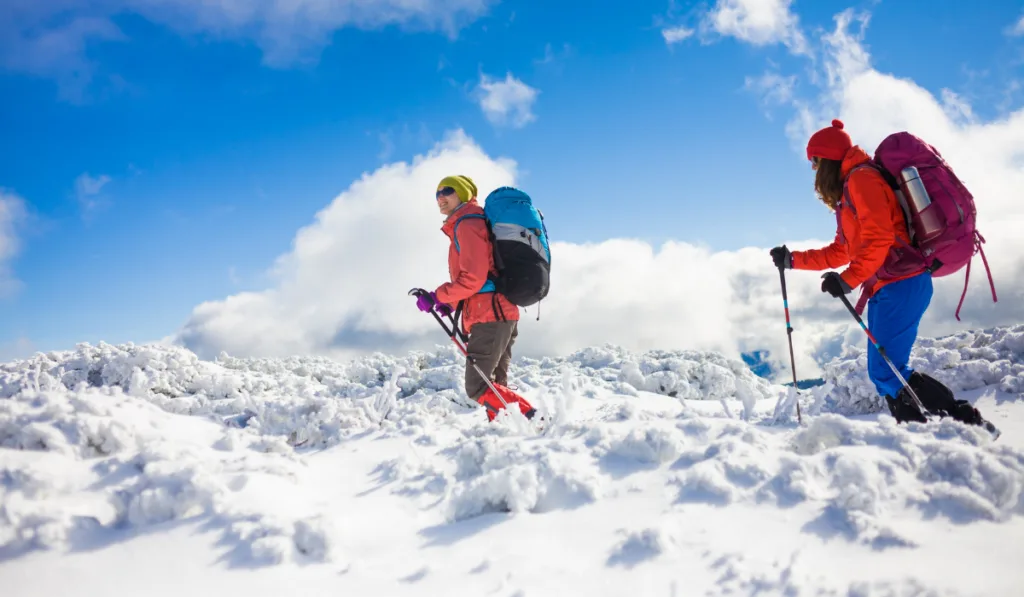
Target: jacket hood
[{"x": 855, "y": 156}]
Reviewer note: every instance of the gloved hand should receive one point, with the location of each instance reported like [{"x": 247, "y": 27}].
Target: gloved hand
[
  {"x": 834, "y": 284},
  {"x": 782, "y": 257},
  {"x": 428, "y": 303},
  {"x": 442, "y": 309}
]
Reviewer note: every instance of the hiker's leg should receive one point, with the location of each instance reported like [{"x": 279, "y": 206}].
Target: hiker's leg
[
  {"x": 501, "y": 376},
  {"x": 874, "y": 359},
  {"x": 501, "y": 371},
  {"x": 894, "y": 316},
  {"x": 487, "y": 343}
]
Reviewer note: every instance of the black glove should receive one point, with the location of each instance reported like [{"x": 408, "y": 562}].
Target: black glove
[
  {"x": 833, "y": 284},
  {"x": 782, "y": 257}
]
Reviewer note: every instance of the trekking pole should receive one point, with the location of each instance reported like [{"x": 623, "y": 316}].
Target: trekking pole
[
  {"x": 881, "y": 351},
  {"x": 789, "y": 335},
  {"x": 417, "y": 292}
]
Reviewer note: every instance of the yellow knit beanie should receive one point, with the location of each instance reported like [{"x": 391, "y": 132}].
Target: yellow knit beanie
[{"x": 463, "y": 185}]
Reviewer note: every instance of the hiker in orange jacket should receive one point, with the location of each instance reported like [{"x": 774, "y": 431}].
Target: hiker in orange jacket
[
  {"x": 489, "y": 319},
  {"x": 870, "y": 225}
]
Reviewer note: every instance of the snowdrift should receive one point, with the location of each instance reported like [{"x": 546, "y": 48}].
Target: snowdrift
[
  {"x": 660, "y": 460},
  {"x": 315, "y": 402},
  {"x": 966, "y": 361}
]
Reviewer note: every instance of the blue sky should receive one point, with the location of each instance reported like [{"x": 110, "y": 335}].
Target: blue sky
[{"x": 164, "y": 157}]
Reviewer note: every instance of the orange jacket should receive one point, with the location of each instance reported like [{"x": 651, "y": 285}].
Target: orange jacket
[
  {"x": 864, "y": 234},
  {"x": 469, "y": 267}
]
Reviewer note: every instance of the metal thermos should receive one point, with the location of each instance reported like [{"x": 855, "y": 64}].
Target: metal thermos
[
  {"x": 927, "y": 223},
  {"x": 918, "y": 195}
]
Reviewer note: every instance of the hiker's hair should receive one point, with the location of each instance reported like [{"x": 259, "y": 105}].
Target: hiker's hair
[{"x": 828, "y": 182}]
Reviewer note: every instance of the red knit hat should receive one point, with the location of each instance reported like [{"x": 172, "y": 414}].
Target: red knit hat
[{"x": 830, "y": 143}]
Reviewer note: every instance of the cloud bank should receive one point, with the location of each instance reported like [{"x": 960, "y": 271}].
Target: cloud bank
[
  {"x": 342, "y": 289},
  {"x": 51, "y": 39}
]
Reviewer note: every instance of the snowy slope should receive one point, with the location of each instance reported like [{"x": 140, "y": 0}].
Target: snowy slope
[{"x": 129, "y": 470}]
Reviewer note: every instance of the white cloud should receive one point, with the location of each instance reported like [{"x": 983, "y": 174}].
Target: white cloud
[
  {"x": 1018, "y": 29},
  {"x": 291, "y": 31},
  {"x": 773, "y": 87},
  {"x": 957, "y": 108},
  {"x": 50, "y": 39},
  {"x": 674, "y": 35},
  {"x": 87, "y": 191},
  {"x": 758, "y": 22},
  {"x": 12, "y": 213},
  {"x": 509, "y": 102},
  {"x": 342, "y": 289}
]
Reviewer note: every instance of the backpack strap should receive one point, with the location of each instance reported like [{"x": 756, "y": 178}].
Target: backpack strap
[
  {"x": 846, "y": 190},
  {"x": 499, "y": 313},
  {"x": 978, "y": 240},
  {"x": 489, "y": 284},
  {"x": 457, "y": 321},
  {"x": 455, "y": 231}
]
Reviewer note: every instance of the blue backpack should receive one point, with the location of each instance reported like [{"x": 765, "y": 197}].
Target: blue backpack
[{"x": 522, "y": 255}]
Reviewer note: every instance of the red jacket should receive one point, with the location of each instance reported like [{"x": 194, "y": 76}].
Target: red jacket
[
  {"x": 865, "y": 233},
  {"x": 468, "y": 268}
]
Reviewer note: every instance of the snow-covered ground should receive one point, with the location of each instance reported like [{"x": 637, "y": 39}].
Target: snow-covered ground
[{"x": 128, "y": 470}]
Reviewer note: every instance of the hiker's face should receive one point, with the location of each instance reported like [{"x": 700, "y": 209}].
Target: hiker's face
[
  {"x": 814, "y": 163},
  {"x": 447, "y": 200}
]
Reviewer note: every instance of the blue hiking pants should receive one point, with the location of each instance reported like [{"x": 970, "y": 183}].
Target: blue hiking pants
[{"x": 894, "y": 313}]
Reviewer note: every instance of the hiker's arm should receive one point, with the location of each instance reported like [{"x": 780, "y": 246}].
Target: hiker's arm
[
  {"x": 829, "y": 257},
  {"x": 473, "y": 263},
  {"x": 871, "y": 199}
]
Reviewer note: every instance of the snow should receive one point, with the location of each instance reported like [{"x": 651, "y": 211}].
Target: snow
[
  {"x": 143, "y": 469},
  {"x": 966, "y": 361}
]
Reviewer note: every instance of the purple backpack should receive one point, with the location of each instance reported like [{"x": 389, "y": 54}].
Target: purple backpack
[{"x": 938, "y": 209}]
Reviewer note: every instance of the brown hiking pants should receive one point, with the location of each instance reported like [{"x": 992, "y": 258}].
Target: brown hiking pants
[{"x": 490, "y": 346}]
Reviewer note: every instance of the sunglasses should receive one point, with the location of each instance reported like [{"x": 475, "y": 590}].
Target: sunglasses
[{"x": 445, "y": 191}]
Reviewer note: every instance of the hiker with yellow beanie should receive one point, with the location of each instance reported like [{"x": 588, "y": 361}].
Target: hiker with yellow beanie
[{"x": 489, "y": 319}]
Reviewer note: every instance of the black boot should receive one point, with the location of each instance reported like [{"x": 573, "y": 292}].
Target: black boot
[
  {"x": 903, "y": 408},
  {"x": 939, "y": 399}
]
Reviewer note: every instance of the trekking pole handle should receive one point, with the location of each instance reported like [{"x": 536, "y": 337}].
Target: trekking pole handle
[{"x": 419, "y": 292}]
